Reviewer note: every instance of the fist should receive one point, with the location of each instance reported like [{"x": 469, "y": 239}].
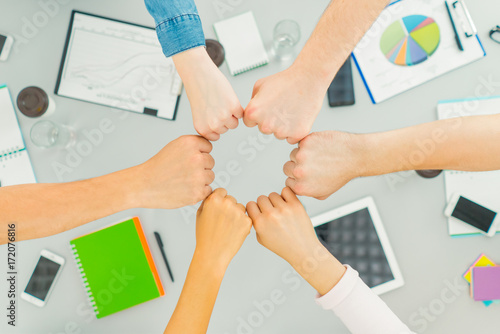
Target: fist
[
  {"x": 179, "y": 175},
  {"x": 323, "y": 163},
  {"x": 284, "y": 104},
  {"x": 221, "y": 227},
  {"x": 283, "y": 226}
]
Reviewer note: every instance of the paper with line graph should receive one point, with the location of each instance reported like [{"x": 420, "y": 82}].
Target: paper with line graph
[{"x": 118, "y": 64}]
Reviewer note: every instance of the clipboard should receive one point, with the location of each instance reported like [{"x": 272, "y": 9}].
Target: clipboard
[
  {"x": 118, "y": 64},
  {"x": 413, "y": 42}
]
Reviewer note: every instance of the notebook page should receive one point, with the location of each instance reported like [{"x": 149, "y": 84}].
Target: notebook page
[
  {"x": 10, "y": 134},
  {"x": 16, "y": 170},
  {"x": 242, "y": 43}
]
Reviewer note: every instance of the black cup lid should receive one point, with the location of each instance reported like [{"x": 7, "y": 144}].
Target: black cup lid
[
  {"x": 429, "y": 173},
  {"x": 215, "y": 51},
  {"x": 33, "y": 101}
]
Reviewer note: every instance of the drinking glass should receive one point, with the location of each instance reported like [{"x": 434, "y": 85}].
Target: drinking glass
[
  {"x": 47, "y": 134},
  {"x": 286, "y": 35}
]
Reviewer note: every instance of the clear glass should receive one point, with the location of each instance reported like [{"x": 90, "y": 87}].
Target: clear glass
[
  {"x": 47, "y": 134},
  {"x": 285, "y": 37}
]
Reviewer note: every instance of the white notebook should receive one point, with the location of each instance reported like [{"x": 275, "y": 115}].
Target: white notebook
[
  {"x": 15, "y": 164},
  {"x": 242, "y": 43},
  {"x": 483, "y": 187}
]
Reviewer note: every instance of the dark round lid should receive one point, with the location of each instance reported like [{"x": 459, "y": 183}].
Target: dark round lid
[
  {"x": 215, "y": 51},
  {"x": 429, "y": 173},
  {"x": 33, "y": 101}
]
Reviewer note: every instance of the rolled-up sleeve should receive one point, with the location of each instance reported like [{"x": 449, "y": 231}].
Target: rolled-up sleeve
[
  {"x": 359, "y": 308},
  {"x": 178, "y": 25}
]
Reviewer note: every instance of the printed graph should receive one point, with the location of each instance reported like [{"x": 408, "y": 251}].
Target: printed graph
[{"x": 410, "y": 40}]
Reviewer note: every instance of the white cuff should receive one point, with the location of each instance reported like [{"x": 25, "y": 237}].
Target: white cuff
[{"x": 340, "y": 291}]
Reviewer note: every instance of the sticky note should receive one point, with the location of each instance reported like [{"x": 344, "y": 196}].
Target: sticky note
[
  {"x": 481, "y": 261},
  {"x": 486, "y": 283}
]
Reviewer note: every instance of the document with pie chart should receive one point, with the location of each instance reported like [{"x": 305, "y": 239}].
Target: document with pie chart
[{"x": 411, "y": 43}]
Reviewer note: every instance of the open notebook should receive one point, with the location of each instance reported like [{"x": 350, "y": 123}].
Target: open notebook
[
  {"x": 483, "y": 187},
  {"x": 117, "y": 267},
  {"x": 15, "y": 164},
  {"x": 242, "y": 43}
]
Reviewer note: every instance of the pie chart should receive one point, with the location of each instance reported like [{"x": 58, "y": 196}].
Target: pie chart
[{"x": 410, "y": 40}]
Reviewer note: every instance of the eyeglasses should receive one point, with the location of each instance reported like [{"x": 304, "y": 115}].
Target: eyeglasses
[{"x": 495, "y": 34}]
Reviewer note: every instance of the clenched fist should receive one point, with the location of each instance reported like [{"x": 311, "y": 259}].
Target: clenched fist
[
  {"x": 179, "y": 175},
  {"x": 324, "y": 162}
]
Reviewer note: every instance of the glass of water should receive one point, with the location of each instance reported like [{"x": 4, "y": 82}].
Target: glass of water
[
  {"x": 47, "y": 134},
  {"x": 286, "y": 35}
]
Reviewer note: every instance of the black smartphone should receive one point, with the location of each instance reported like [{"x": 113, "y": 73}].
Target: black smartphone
[{"x": 341, "y": 90}]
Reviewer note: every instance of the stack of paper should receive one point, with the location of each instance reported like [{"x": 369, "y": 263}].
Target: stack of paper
[{"x": 484, "y": 279}]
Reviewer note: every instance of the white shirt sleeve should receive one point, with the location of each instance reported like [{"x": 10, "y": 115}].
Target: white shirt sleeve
[{"x": 359, "y": 308}]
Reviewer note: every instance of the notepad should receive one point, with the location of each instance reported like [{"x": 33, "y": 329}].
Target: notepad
[
  {"x": 482, "y": 186},
  {"x": 117, "y": 267},
  {"x": 15, "y": 163},
  {"x": 242, "y": 43},
  {"x": 486, "y": 283},
  {"x": 481, "y": 261}
]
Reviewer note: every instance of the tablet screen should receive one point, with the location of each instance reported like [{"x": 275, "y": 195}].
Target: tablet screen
[{"x": 353, "y": 240}]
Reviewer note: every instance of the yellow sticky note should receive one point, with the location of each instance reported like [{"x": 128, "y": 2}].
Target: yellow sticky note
[{"x": 482, "y": 261}]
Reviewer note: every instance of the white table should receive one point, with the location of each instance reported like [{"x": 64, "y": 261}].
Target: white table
[{"x": 411, "y": 210}]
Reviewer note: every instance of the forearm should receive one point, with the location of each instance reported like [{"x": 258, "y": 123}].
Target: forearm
[
  {"x": 320, "y": 269},
  {"x": 190, "y": 64},
  {"x": 466, "y": 143},
  {"x": 40, "y": 210},
  {"x": 339, "y": 30},
  {"x": 194, "y": 308}
]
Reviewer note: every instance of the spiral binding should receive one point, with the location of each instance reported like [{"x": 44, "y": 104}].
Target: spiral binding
[
  {"x": 11, "y": 153},
  {"x": 86, "y": 285},
  {"x": 252, "y": 67}
]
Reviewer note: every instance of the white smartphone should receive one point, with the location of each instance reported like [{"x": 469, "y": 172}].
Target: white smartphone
[
  {"x": 466, "y": 210},
  {"x": 5, "y": 46},
  {"x": 43, "y": 278}
]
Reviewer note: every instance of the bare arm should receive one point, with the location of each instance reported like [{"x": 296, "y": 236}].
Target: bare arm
[
  {"x": 326, "y": 161},
  {"x": 177, "y": 176},
  {"x": 287, "y": 103},
  {"x": 221, "y": 228}
]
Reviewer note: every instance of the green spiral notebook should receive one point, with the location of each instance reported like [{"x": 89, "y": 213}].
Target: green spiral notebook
[{"x": 117, "y": 268}]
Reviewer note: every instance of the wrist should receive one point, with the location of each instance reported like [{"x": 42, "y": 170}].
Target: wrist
[
  {"x": 123, "y": 188},
  {"x": 320, "y": 269},
  {"x": 189, "y": 62},
  {"x": 380, "y": 154},
  {"x": 213, "y": 265},
  {"x": 315, "y": 80}
]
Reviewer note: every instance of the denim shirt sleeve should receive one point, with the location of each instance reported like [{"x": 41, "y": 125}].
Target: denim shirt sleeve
[{"x": 178, "y": 25}]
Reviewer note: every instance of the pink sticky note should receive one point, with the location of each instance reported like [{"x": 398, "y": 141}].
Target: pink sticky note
[{"x": 486, "y": 283}]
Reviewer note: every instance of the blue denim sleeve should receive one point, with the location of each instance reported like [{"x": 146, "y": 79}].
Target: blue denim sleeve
[{"x": 178, "y": 25}]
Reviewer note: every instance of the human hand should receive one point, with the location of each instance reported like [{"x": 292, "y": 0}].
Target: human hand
[
  {"x": 324, "y": 162},
  {"x": 214, "y": 104},
  {"x": 221, "y": 228},
  {"x": 179, "y": 175},
  {"x": 283, "y": 227},
  {"x": 286, "y": 104}
]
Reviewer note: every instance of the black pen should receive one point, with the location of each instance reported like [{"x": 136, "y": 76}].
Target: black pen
[
  {"x": 457, "y": 38},
  {"x": 160, "y": 243}
]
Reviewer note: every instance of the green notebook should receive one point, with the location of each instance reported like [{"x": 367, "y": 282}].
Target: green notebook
[{"x": 117, "y": 268}]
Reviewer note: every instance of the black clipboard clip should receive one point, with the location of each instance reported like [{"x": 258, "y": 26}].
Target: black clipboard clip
[{"x": 462, "y": 11}]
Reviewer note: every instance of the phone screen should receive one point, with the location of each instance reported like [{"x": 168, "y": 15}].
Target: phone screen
[
  {"x": 42, "y": 278},
  {"x": 3, "y": 39},
  {"x": 473, "y": 214},
  {"x": 341, "y": 90}
]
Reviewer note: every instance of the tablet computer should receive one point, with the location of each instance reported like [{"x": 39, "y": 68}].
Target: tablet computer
[{"x": 354, "y": 234}]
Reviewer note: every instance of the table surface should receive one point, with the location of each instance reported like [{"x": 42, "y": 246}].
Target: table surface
[{"x": 433, "y": 299}]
